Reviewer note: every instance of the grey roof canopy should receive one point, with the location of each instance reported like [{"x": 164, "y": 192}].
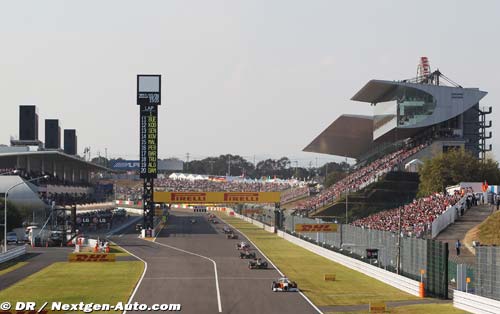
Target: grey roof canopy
[
  {"x": 349, "y": 136},
  {"x": 375, "y": 91},
  {"x": 450, "y": 101},
  {"x": 352, "y": 135}
]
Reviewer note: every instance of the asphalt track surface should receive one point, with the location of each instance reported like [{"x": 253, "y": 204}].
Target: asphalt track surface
[{"x": 178, "y": 277}]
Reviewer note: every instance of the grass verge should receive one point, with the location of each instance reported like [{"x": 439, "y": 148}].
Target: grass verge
[
  {"x": 308, "y": 269},
  {"x": 74, "y": 282},
  {"x": 488, "y": 231},
  {"x": 10, "y": 266},
  {"x": 115, "y": 249},
  {"x": 415, "y": 309}
]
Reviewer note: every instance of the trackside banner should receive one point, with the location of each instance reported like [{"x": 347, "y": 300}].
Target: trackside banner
[
  {"x": 216, "y": 197},
  {"x": 86, "y": 257},
  {"x": 315, "y": 227}
]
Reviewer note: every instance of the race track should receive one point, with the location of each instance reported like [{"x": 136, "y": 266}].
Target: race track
[{"x": 180, "y": 269}]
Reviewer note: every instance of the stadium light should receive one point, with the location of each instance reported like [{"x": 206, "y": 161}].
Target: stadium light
[{"x": 5, "y": 208}]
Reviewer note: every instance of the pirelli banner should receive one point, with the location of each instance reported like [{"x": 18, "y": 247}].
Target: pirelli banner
[
  {"x": 315, "y": 227},
  {"x": 216, "y": 197},
  {"x": 91, "y": 257}
]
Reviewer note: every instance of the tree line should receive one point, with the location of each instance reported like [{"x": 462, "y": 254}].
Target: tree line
[
  {"x": 236, "y": 165},
  {"x": 453, "y": 167}
]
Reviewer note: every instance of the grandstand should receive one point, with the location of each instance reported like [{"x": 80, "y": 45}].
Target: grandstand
[
  {"x": 68, "y": 180},
  {"x": 413, "y": 119}
]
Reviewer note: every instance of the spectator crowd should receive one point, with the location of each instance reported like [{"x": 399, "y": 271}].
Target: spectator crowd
[
  {"x": 358, "y": 179},
  {"x": 133, "y": 193},
  {"x": 416, "y": 217}
]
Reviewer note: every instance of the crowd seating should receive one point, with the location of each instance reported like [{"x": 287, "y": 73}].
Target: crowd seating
[
  {"x": 294, "y": 193},
  {"x": 183, "y": 185},
  {"x": 64, "y": 199},
  {"x": 416, "y": 217},
  {"x": 217, "y": 186},
  {"x": 358, "y": 179}
]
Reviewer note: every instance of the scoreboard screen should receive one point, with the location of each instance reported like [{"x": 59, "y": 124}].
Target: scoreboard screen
[{"x": 148, "y": 89}]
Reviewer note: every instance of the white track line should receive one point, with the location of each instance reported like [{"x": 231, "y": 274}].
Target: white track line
[
  {"x": 207, "y": 258},
  {"x": 267, "y": 258},
  {"x": 140, "y": 279}
]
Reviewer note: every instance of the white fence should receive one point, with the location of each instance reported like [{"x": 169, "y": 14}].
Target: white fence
[
  {"x": 11, "y": 254},
  {"x": 446, "y": 218},
  {"x": 405, "y": 284},
  {"x": 474, "y": 303}
]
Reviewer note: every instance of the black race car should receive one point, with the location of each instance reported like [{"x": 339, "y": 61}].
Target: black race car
[
  {"x": 243, "y": 246},
  {"x": 232, "y": 236},
  {"x": 247, "y": 255},
  {"x": 257, "y": 264}
]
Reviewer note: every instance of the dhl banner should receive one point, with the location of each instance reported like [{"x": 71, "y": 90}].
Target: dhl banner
[
  {"x": 94, "y": 257},
  {"x": 216, "y": 197},
  {"x": 315, "y": 227}
]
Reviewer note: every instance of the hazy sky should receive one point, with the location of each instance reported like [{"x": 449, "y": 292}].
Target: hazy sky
[{"x": 247, "y": 77}]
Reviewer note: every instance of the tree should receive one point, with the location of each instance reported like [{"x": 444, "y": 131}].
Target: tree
[
  {"x": 100, "y": 161},
  {"x": 453, "y": 167},
  {"x": 334, "y": 176}
]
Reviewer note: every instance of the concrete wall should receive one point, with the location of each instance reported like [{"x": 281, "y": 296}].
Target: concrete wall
[{"x": 474, "y": 303}]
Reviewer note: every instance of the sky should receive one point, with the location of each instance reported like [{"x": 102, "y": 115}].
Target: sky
[{"x": 254, "y": 78}]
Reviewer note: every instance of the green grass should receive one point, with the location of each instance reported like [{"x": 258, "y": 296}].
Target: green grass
[
  {"x": 427, "y": 309},
  {"x": 488, "y": 231},
  {"x": 10, "y": 266},
  {"x": 415, "y": 309},
  {"x": 118, "y": 251},
  {"x": 308, "y": 269},
  {"x": 74, "y": 282}
]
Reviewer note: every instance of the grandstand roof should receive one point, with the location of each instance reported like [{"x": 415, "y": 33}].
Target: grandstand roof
[
  {"x": 56, "y": 156},
  {"x": 341, "y": 139},
  {"x": 375, "y": 91}
]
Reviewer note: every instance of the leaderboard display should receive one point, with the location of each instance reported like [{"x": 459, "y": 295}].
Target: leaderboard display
[
  {"x": 148, "y": 141},
  {"x": 148, "y": 98}
]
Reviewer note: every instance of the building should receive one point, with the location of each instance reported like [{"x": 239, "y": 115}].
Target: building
[
  {"x": 52, "y": 134},
  {"x": 28, "y": 127},
  {"x": 70, "y": 142},
  {"x": 417, "y": 110}
]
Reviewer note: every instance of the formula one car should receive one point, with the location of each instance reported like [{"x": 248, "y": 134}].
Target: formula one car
[
  {"x": 242, "y": 246},
  {"x": 232, "y": 236},
  {"x": 257, "y": 264},
  {"x": 247, "y": 255},
  {"x": 214, "y": 221},
  {"x": 193, "y": 221},
  {"x": 284, "y": 284},
  {"x": 227, "y": 230}
]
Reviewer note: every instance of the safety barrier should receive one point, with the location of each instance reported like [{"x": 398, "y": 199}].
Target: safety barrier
[
  {"x": 405, "y": 284},
  {"x": 447, "y": 218},
  {"x": 474, "y": 303},
  {"x": 13, "y": 253}
]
